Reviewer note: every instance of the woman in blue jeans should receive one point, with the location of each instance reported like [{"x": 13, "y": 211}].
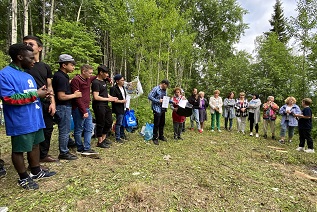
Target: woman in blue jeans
[{"x": 289, "y": 121}]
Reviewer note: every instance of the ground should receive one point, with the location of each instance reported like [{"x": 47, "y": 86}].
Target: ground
[{"x": 210, "y": 171}]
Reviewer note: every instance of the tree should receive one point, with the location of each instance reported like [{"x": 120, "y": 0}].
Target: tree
[{"x": 278, "y": 22}]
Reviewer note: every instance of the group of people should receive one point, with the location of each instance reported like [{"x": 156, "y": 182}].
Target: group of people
[
  {"x": 33, "y": 99},
  {"x": 241, "y": 109}
]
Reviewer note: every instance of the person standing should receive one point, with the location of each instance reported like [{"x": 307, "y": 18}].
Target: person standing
[
  {"x": 254, "y": 114},
  {"x": 23, "y": 114},
  {"x": 270, "y": 109},
  {"x": 229, "y": 112},
  {"x": 81, "y": 113},
  {"x": 194, "y": 100},
  {"x": 241, "y": 112},
  {"x": 63, "y": 99},
  {"x": 42, "y": 75},
  {"x": 156, "y": 97},
  {"x": 305, "y": 126},
  {"x": 178, "y": 120},
  {"x": 289, "y": 121},
  {"x": 203, "y": 104},
  {"x": 119, "y": 106},
  {"x": 103, "y": 113},
  {"x": 215, "y": 103}
]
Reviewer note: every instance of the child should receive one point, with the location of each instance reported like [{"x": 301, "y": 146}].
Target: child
[
  {"x": 177, "y": 119},
  {"x": 305, "y": 127}
]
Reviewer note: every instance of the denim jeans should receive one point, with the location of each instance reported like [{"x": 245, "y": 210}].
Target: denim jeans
[
  {"x": 286, "y": 126},
  {"x": 119, "y": 129},
  {"x": 82, "y": 125},
  {"x": 195, "y": 117},
  {"x": 64, "y": 112}
]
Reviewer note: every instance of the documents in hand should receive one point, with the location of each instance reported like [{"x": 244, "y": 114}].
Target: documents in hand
[
  {"x": 182, "y": 103},
  {"x": 165, "y": 102}
]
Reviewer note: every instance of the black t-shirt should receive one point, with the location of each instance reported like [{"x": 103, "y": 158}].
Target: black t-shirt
[
  {"x": 305, "y": 123},
  {"x": 61, "y": 83},
  {"x": 101, "y": 87},
  {"x": 40, "y": 72}
]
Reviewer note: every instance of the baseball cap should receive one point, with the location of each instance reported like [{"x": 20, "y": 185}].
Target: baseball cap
[{"x": 65, "y": 58}]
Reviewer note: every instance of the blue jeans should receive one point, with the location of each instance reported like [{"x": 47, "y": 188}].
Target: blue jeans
[
  {"x": 119, "y": 129},
  {"x": 64, "y": 113},
  {"x": 195, "y": 117},
  {"x": 286, "y": 126},
  {"x": 82, "y": 125}
]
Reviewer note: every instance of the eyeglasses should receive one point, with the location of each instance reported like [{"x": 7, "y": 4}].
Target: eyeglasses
[{"x": 29, "y": 44}]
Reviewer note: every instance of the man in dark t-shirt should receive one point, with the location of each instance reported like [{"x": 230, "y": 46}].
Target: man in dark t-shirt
[
  {"x": 42, "y": 75},
  {"x": 100, "y": 106}
]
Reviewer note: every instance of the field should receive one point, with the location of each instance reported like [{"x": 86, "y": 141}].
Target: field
[{"x": 211, "y": 171}]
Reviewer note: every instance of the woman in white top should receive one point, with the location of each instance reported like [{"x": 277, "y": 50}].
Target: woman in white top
[
  {"x": 254, "y": 114},
  {"x": 215, "y": 103}
]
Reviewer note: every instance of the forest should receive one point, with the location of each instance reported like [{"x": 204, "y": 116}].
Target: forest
[{"x": 189, "y": 42}]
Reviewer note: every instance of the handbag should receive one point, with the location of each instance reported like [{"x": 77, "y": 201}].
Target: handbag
[{"x": 130, "y": 119}]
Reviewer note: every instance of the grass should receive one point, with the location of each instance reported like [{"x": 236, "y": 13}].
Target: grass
[{"x": 205, "y": 172}]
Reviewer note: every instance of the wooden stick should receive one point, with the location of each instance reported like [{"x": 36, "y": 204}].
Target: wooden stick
[{"x": 301, "y": 174}]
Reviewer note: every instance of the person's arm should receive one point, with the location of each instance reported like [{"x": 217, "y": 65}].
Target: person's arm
[
  {"x": 96, "y": 97},
  {"x": 211, "y": 103},
  {"x": 75, "y": 86},
  {"x": 52, "y": 107},
  {"x": 25, "y": 98},
  {"x": 282, "y": 111},
  {"x": 307, "y": 114},
  {"x": 152, "y": 96}
]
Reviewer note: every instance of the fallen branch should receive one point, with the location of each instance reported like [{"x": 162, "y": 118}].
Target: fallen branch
[
  {"x": 276, "y": 148},
  {"x": 301, "y": 174}
]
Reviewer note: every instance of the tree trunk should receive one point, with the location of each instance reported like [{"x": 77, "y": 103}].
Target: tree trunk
[
  {"x": 31, "y": 23},
  {"x": 14, "y": 21},
  {"x": 43, "y": 25},
  {"x": 79, "y": 10},
  {"x": 26, "y": 17},
  {"x": 50, "y": 24}
]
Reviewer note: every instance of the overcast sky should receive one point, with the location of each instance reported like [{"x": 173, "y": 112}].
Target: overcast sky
[{"x": 260, "y": 12}]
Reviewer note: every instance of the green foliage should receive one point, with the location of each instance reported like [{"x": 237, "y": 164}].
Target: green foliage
[
  {"x": 278, "y": 22},
  {"x": 4, "y": 60}
]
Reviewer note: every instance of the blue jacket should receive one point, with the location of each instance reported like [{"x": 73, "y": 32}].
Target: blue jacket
[{"x": 292, "y": 120}]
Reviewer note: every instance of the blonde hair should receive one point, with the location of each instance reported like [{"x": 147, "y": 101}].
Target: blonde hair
[
  {"x": 307, "y": 101},
  {"x": 201, "y": 92},
  {"x": 241, "y": 94},
  {"x": 217, "y": 91},
  {"x": 290, "y": 98}
]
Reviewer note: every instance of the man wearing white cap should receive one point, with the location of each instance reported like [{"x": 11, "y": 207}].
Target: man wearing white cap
[{"x": 63, "y": 99}]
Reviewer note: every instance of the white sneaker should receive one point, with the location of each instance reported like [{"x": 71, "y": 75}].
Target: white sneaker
[
  {"x": 300, "y": 149},
  {"x": 251, "y": 133},
  {"x": 219, "y": 130},
  {"x": 243, "y": 132},
  {"x": 309, "y": 151},
  {"x": 257, "y": 135},
  {"x": 212, "y": 131}
]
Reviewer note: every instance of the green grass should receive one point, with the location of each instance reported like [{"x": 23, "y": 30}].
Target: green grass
[{"x": 205, "y": 172}]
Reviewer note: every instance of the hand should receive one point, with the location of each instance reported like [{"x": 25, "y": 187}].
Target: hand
[
  {"x": 42, "y": 92},
  {"x": 161, "y": 100},
  {"x": 242, "y": 109},
  {"x": 85, "y": 115},
  {"x": 124, "y": 101},
  {"x": 175, "y": 109},
  {"x": 113, "y": 99},
  {"x": 52, "y": 109},
  {"x": 77, "y": 94}
]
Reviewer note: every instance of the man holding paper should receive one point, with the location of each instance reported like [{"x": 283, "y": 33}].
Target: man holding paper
[{"x": 159, "y": 106}]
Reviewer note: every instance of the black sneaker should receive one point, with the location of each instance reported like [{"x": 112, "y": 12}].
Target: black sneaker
[
  {"x": 103, "y": 145},
  {"x": 28, "y": 184},
  {"x": 119, "y": 141},
  {"x": 156, "y": 142},
  {"x": 106, "y": 141},
  {"x": 265, "y": 136},
  {"x": 175, "y": 137},
  {"x": 67, "y": 156},
  {"x": 281, "y": 141},
  {"x": 89, "y": 152},
  {"x": 42, "y": 174},
  {"x": 162, "y": 138},
  {"x": 273, "y": 137},
  {"x": 180, "y": 138}
]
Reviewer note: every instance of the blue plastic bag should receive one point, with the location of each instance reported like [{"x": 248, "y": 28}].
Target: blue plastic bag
[
  {"x": 129, "y": 119},
  {"x": 148, "y": 131}
]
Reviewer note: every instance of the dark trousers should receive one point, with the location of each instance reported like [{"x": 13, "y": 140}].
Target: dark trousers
[
  {"x": 178, "y": 127},
  {"x": 159, "y": 123},
  {"x": 103, "y": 116},
  {"x": 251, "y": 118},
  {"x": 305, "y": 134},
  {"x": 48, "y": 119}
]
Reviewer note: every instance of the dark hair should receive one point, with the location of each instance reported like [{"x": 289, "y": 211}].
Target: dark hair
[
  {"x": 230, "y": 94},
  {"x": 256, "y": 95},
  {"x": 18, "y": 49},
  {"x": 103, "y": 68},
  {"x": 32, "y": 37},
  {"x": 66, "y": 63},
  {"x": 165, "y": 81},
  {"x": 307, "y": 101}
]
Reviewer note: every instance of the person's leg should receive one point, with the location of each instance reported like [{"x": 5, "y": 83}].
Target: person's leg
[
  {"x": 197, "y": 118},
  {"x": 226, "y": 122},
  {"x": 64, "y": 112},
  {"x": 213, "y": 120},
  {"x": 272, "y": 126},
  {"x": 218, "y": 119},
  {"x": 88, "y": 128},
  {"x": 251, "y": 118},
  {"x": 175, "y": 128},
  {"x": 78, "y": 128},
  {"x": 157, "y": 117},
  {"x": 118, "y": 126},
  {"x": 243, "y": 122},
  {"x": 192, "y": 119},
  {"x": 239, "y": 123},
  {"x": 99, "y": 112},
  {"x": 290, "y": 133},
  {"x": 230, "y": 124},
  {"x": 161, "y": 125},
  {"x": 283, "y": 130},
  {"x": 257, "y": 128},
  {"x": 265, "y": 124},
  {"x": 309, "y": 139},
  {"x": 180, "y": 128},
  {"x": 302, "y": 137},
  {"x": 48, "y": 119},
  {"x": 108, "y": 121}
]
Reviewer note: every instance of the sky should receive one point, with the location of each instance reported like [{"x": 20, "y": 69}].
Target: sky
[{"x": 260, "y": 12}]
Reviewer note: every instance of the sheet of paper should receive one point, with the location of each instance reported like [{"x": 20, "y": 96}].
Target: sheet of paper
[
  {"x": 127, "y": 104},
  {"x": 182, "y": 103},
  {"x": 165, "y": 102}
]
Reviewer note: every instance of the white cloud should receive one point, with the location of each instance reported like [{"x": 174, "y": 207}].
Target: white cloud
[{"x": 260, "y": 12}]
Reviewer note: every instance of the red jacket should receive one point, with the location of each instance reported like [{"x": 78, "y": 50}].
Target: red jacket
[{"x": 175, "y": 116}]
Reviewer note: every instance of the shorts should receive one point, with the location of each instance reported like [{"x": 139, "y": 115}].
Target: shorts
[{"x": 25, "y": 143}]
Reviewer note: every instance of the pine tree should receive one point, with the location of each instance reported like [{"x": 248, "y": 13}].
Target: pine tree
[{"x": 278, "y": 22}]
